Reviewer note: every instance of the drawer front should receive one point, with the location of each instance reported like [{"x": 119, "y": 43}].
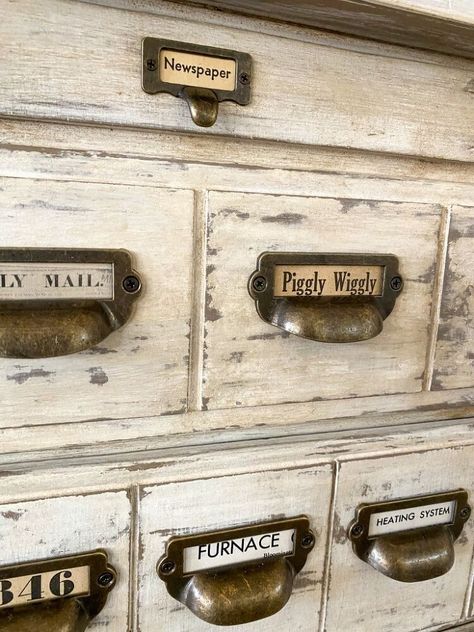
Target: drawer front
[
  {"x": 360, "y": 598},
  {"x": 232, "y": 501},
  {"x": 57, "y": 527},
  {"x": 248, "y": 362},
  {"x": 140, "y": 369},
  {"x": 454, "y": 362}
]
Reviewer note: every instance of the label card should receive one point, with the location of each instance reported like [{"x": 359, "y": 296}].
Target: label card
[
  {"x": 247, "y": 549},
  {"x": 201, "y": 71},
  {"x": 328, "y": 280},
  {"x": 45, "y": 281},
  {"x": 26, "y": 589},
  {"x": 411, "y": 518}
]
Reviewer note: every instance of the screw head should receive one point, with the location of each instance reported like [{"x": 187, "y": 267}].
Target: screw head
[
  {"x": 465, "y": 513},
  {"x": 106, "y": 579},
  {"x": 357, "y": 530},
  {"x": 167, "y": 567},
  {"x": 307, "y": 540},
  {"x": 131, "y": 284},
  {"x": 151, "y": 64},
  {"x": 244, "y": 78},
  {"x": 259, "y": 284},
  {"x": 396, "y": 283}
]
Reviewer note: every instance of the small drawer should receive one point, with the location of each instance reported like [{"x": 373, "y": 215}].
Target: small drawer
[
  {"x": 142, "y": 368},
  {"x": 454, "y": 362},
  {"x": 51, "y": 528},
  {"x": 359, "y": 597},
  {"x": 200, "y": 506},
  {"x": 249, "y": 362}
]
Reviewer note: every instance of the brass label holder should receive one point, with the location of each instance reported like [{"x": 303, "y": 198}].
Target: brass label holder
[
  {"x": 201, "y": 75},
  {"x": 63, "y": 593},
  {"x": 327, "y": 297},
  {"x": 60, "y": 301},
  {"x": 234, "y": 576},
  {"x": 411, "y": 539}
]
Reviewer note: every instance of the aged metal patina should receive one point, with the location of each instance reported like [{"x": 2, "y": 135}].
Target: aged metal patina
[
  {"x": 239, "y": 592},
  {"x": 201, "y": 75},
  {"x": 54, "y": 319},
  {"x": 349, "y": 310},
  {"x": 401, "y": 549},
  {"x": 60, "y": 613}
]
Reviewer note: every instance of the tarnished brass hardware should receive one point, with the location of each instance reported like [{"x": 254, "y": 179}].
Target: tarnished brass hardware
[
  {"x": 410, "y": 540},
  {"x": 224, "y": 586},
  {"x": 328, "y": 297},
  {"x": 60, "y": 595},
  {"x": 58, "y": 301},
  {"x": 202, "y": 75},
  {"x": 203, "y": 105}
]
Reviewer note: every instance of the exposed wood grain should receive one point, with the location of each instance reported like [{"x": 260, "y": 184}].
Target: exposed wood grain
[
  {"x": 227, "y": 502},
  {"x": 249, "y": 362},
  {"x": 342, "y": 100},
  {"x": 56, "y": 527},
  {"x": 454, "y": 362},
  {"x": 433, "y": 24},
  {"x": 142, "y": 367},
  {"x": 362, "y": 599}
]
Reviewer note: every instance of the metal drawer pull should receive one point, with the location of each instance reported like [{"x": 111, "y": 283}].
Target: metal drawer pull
[
  {"x": 326, "y": 297},
  {"x": 56, "y": 302},
  {"x": 202, "y": 75},
  {"x": 60, "y": 595},
  {"x": 236, "y": 576},
  {"x": 410, "y": 540}
]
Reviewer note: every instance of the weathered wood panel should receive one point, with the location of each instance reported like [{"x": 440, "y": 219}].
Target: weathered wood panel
[
  {"x": 225, "y": 502},
  {"x": 361, "y": 599},
  {"x": 55, "y": 527},
  {"x": 141, "y": 369},
  {"x": 249, "y": 362},
  {"x": 343, "y": 97},
  {"x": 443, "y": 25},
  {"x": 454, "y": 360}
]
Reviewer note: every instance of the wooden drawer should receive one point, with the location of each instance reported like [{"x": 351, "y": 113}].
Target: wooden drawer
[
  {"x": 360, "y": 598},
  {"x": 233, "y": 500},
  {"x": 141, "y": 369},
  {"x": 55, "y": 527},
  {"x": 248, "y": 362}
]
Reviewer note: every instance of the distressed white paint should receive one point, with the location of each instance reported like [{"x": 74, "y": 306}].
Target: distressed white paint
[
  {"x": 357, "y": 593},
  {"x": 56, "y": 527},
  {"x": 249, "y": 362},
  {"x": 454, "y": 359},
  {"x": 143, "y": 367},
  {"x": 230, "y": 501}
]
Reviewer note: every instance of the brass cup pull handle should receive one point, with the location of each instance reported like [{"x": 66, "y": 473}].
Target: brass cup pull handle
[
  {"x": 240, "y": 596},
  {"x": 410, "y": 557},
  {"x": 58, "y": 302},
  {"x": 55, "y": 595},
  {"x": 412, "y": 539},
  {"x": 326, "y": 297},
  {"x": 203, "y": 105},
  {"x": 237, "y": 587},
  {"x": 67, "y": 616}
]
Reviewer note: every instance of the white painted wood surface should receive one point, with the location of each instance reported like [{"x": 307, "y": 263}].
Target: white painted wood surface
[
  {"x": 249, "y": 362},
  {"x": 141, "y": 368},
  {"x": 55, "y": 527},
  {"x": 357, "y": 593},
  {"x": 343, "y": 99},
  {"x": 454, "y": 362},
  {"x": 215, "y": 503}
]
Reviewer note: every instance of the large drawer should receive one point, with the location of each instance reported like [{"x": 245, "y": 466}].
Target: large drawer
[{"x": 140, "y": 369}]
